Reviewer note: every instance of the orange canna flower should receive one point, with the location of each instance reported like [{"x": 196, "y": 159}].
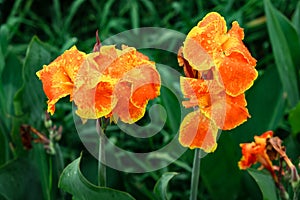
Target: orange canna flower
[
  {"x": 257, "y": 151},
  {"x": 264, "y": 150},
  {"x": 219, "y": 69},
  {"x": 226, "y": 111},
  {"x": 58, "y": 77},
  {"x": 119, "y": 83},
  {"x": 209, "y": 44},
  {"x": 215, "y": 109},
  {"x": 110, "y": 82}
]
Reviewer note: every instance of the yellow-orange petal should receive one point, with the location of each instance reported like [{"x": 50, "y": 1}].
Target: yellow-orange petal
[
  {"x": 196, "y": 54},
  {"x": 204, "y": 40},
  {"x": 196, "y": 91},
  {"x": 127, "y": 59},
  {"x": 237, "y": 74},
  {"x": 198, "y": 131},
  {"x": 235, "y": 63},
  {"x": 261, "y": 140},
  {"x": 200, "y": 92},
  {"x": 58, "y": 76},
  {"x": 134, "y": 90},
  {"x": 145, "y": 84},
  {"x": 96, "y": 102},
  {"x": 71, "y": 61},
  {"x": 125, "y": 110},
  {"x": 249, "y": 155},
  {"x": 228, "y": 112}
]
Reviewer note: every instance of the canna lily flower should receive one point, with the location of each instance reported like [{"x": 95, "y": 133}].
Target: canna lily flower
[
  {"x": 258, "y": 151},
  {"x": 106, "y": 83},
  {"x": 264, "y": 150},
  {"x": 58, "y": 77},
  {"x": 209, "y": 45},
  {"x": 215, "y": 110},
  {"x": 219, "y": 69},
  {"x": 119, "y": 84}
]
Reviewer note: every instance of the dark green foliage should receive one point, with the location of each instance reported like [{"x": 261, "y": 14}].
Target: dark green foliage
[{"x": 34, "y": 32}]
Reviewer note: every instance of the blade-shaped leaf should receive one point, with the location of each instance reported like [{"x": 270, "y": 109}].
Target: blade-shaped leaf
[
  {"x": 265, "y": 183},
  {"x": 31, "y": 98},
  {"x": 286, "y": 48},
  {"x": 294, "y": 117},
  {"x": 217, "y": 170},
  {"x": 296, "y": 19},
  {"x": 73, "y": 182},
  {"x": 19, "y": 181},
  {"x": 160, "y": 188}
]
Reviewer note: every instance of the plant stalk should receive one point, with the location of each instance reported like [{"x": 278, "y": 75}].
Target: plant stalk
[
  {"x": 195, "y": 174},
  {"x": 101, "y": 155}
]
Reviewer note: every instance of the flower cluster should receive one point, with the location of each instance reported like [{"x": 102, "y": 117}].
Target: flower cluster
[
  {"x": 258, "y": 151},
  {"x": 219, "y": 69},
  {"x": 264, "y": 150},
  {"x": 107, "y": 83}
]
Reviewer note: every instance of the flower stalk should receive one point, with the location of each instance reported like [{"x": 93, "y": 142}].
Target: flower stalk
[
  {"x": 100, "y": 126},
  {"x": 195, "y": 174}
]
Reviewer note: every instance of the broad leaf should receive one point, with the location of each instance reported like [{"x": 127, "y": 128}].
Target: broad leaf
[
  {"x": 286, "y": 49},
  {"x": 265, "y": 183},
  {"x": 294, "y": 117},
  {"x": 160, "y": 188},
  {"x": 73, "y": 182},
  {"x": 19, "y": 181},
  {"x": 296, "y": 19},
  {"x": 31, "y": 98},
  {"x": 217, "y": 170}
]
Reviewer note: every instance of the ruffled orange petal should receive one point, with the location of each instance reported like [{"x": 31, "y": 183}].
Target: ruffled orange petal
[
  {"x": 196, "y": 91},
  {"x": 249, "y": 155},
  {"x": 96, "y": 102},
  {"x": 198, "y": 131},
  {"x": 134, "y": 90},
  {"x": 237, "y": 75},
  {"x": 256, "y": 152},
  {"x": 58, "y": 77},
  {"x": 196, "y": 54},
  {"x": 236, "y": 65},
  {"x": 128, "y": 58},
  {"x": 228, "y": 112}
]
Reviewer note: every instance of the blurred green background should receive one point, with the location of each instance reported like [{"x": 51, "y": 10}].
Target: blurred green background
[{"x": 35, "y": 32}]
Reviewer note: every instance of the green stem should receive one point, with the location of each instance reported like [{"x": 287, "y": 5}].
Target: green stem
[
  {"x": 195, "y": 174},
  {"x": 101, "y": 155},
  {"x": 50, "y": 177}
]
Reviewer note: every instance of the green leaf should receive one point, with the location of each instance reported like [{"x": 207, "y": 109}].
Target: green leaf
[
  {"x": 219, "y": 170},
  {"x": 296, "y": 19},
  {"x": 19, "y": 181},
  {"x": 31, "y": 98},
  {"x": 160, "y": 188},
  {"x": 169, "y": 94},
  {"x": 73, "y": 182},
  {"x": 294, "y": 117},
  {"x": 72, "y": 11},
  {"x": 265, "y": 183},
  {"x": 134, "y": 14},
  {"x": 3, "y": 148},
  {"x": 286, "y": 48}
]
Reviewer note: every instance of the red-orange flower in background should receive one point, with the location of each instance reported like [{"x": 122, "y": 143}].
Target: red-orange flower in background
[
  {"x": 257, "y": 151},
  {"x": 264, "y": 150},
  {"x": 219, "y": 69},
  {"x": 110, "y": 82},
  {"x": 58, "y": 77},
  {"x": 119, "y": 83}
]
